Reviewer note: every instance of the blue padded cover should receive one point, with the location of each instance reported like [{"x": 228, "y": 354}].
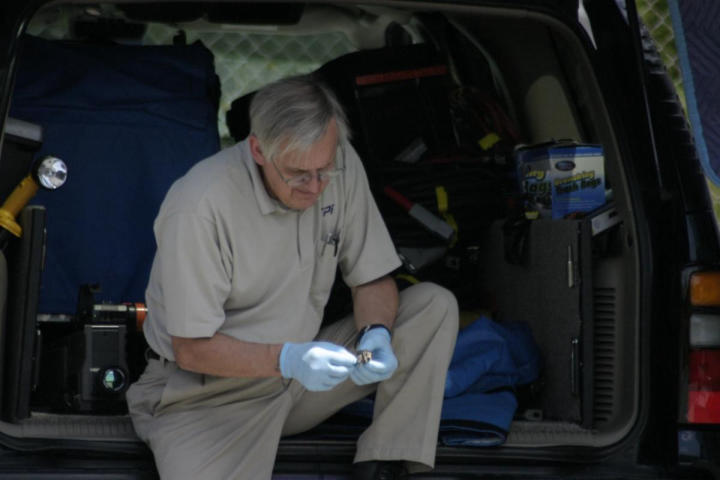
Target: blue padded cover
[
  {"x": 697, "y": 38},
  {"x": 128, "y": 121}
]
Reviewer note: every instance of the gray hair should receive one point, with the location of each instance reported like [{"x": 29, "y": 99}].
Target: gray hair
[{"x": 293, "y": 113}]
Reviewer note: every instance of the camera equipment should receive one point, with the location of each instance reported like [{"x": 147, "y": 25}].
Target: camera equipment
[
  {"x": 90, "y": 364},
  {"x": 97, "y": 373}
]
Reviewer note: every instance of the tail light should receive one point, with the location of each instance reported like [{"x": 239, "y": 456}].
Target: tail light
[
  {"x": 704, "y": 387},
  {"x": 705, "y": 289},
  {"x": 703, "y": 402}
]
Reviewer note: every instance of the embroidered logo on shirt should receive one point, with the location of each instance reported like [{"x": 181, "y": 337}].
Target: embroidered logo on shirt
[{"x": 328, "y": 210}]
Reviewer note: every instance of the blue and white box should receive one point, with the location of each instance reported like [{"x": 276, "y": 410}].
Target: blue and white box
[{"x": 561, "y": 178}]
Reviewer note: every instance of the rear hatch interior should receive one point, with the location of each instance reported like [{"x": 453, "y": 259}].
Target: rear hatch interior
[{"x": 439, "y": 98}]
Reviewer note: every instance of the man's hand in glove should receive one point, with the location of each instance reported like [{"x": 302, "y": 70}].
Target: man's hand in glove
[
  {"x": 317, "y": 365},
  {"x": 376, "y": 340}
]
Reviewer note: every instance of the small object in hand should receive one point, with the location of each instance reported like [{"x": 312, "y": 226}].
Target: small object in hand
[{"x": 364, "y": 356}]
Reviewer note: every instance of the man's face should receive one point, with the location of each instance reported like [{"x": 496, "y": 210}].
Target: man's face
[{"x": 319, "y": 157}]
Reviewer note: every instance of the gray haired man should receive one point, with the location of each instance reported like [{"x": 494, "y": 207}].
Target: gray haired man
[{"x": 248, "y": 243}]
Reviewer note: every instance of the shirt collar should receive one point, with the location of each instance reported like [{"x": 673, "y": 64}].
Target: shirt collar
[{"x": 265, "y": 202}]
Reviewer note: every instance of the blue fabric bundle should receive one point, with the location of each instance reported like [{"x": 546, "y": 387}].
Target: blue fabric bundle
[
  {"x": 128, "y": 121},
  {"x": 489, "y": 355},
  {"x": 489, "y": 360}
]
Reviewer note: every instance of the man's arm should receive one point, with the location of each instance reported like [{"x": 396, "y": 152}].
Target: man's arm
[
  {"x": 375, "y": 302},
  {"x": 224, "y": 356}
]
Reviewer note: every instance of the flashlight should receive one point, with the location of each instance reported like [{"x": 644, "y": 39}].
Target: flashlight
[{"x": 49, "y": 173}]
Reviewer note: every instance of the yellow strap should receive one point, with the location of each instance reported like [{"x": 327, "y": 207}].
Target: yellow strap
[
  {"x": 488, "y": 140},
  {"x": 409, "y": 278},
  {"x": 442, "y": 203},
  {"x": 442, "y": 199}
]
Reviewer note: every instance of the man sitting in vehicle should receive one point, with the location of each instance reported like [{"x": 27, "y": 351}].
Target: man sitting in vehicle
[{"x": 248, "y": 243}]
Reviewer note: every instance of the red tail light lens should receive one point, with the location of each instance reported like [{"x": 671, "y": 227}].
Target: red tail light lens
[{"x": 704, "y": 387}]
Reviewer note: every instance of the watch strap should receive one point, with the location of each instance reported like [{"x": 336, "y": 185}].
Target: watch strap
[{"x": 367, "y": 328}]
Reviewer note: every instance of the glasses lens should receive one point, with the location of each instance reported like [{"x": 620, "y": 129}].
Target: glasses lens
[
  {"x": 300, "y": 180},
  {"x": 306, "y": 178},
  {"x": 322, "y": 175}
]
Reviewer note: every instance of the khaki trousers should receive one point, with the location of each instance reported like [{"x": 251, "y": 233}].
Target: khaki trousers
[{"x": 199, "y": 426}]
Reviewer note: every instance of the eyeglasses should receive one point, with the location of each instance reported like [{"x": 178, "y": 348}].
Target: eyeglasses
[{"x": 322, "y": 175}]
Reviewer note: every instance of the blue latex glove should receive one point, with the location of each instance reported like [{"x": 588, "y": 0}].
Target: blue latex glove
[
  {"x": 317, "y": 365},
  {"x": 383, "y": 362}
]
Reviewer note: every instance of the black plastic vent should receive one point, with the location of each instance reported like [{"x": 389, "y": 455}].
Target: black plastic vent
[{"x": 604, "y": 354}]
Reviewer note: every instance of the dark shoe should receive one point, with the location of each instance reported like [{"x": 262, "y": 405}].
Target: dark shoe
[{"x": 379, "y": 470}]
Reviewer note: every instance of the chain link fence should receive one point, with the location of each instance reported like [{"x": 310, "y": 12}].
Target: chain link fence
[{"x": 656, "y": 16}]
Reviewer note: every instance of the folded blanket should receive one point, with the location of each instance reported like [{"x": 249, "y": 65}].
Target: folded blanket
[{"x": 477, "y": 419}]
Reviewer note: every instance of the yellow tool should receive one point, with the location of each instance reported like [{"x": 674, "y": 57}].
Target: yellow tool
[{"x": 49, "y": 173}]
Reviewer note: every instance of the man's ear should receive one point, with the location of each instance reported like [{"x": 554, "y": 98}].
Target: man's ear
[{"x": 255, "y": 150}]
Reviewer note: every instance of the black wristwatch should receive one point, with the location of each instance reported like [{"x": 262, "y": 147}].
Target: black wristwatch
[{"x": 367, "y": 328}]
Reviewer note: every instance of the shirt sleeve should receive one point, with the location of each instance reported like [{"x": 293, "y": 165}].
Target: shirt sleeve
[
  {"x": 194, "y": 280},
  {"x": 366, "y": 251}
]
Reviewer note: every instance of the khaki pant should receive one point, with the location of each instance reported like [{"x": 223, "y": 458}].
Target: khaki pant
[{"x": 200, "y": 426}]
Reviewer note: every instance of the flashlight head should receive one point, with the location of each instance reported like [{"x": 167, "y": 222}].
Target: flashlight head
[{"x": 51, "y": 173}]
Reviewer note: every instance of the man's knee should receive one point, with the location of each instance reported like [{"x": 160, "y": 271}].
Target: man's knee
[{"x": 431, "y": 302}]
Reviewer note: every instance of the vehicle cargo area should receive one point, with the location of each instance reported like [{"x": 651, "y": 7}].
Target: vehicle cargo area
[{"x": 488, "y": 122}]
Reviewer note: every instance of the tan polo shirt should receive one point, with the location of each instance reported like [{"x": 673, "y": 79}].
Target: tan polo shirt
[{"x": 231, "y": 259}]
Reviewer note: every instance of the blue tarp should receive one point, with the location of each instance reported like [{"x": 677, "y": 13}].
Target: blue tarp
[
  {"x": 128, "y": 121},
  {"x": 697, "y": 37}
]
